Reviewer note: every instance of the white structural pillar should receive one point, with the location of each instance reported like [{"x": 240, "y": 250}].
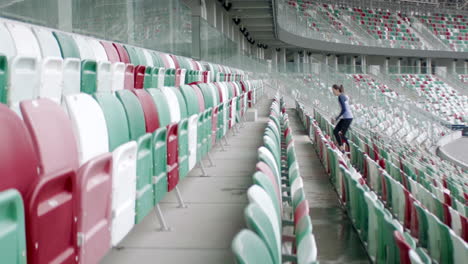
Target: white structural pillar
[
  {"x": 335, "y": 64},
  {"x": 297, "y": 61},
  {"x": 282, "y": 60},
  {"x": 364, "y": 64},
  {"x": 353, "y": 64},
  {"x": 399, "y": 65},
  {"x": 465, "y": 66},
  {"x": 429, "y": 66},
  {"x": 454, "y": 67},
  {"x": 418, "y": 66},
  {"x": 274, "y": 59},
  {"x": 386, "y": 63}
]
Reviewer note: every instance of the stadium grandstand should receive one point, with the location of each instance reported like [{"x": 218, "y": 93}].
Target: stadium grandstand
[{"x": 211, "y": 131}]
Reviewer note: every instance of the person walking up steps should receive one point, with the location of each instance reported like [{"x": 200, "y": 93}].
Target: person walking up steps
[{"x": 346, "y": 117}]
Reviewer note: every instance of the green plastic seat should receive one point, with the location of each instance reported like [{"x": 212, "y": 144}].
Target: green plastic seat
[
  {"x": 13, "y": 235},
  {"x": 182, "y": 103},
  {"x": 148, "y": 81},
  {"x": 134, "y": 58},
  {"x": 259, "y": 222},
  {"x": 248, "y": 248},
  {"x": 67, "y": 45},
  {"x": 191, "y": 99},
  {"x": 88, "y": 77},
  {"x": 160, "y": 164},
  {"x": 265, "y": 182},
  {"x": 3, "y": 78},
  {"x": 161, "y": 106}
]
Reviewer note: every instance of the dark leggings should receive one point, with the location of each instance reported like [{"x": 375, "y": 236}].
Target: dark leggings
[{"x": 342, "y": 127}]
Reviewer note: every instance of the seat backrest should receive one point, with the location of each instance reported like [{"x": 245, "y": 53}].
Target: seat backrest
[
  {"x": 307, "y": 250},
  {"x": 265, "y": 182},
  {"x": 47, "y": 42},
  {"x": 139, "y": 76},
  {"x": 118, "y": 76},
  {"x": 162, "y": 107},
  {"x": 111, "y": 52},
  {"x": 89, "y": 126},
  {"x": 171, "y": 99},
  {"x": 258, "y": 221},
  {"x": 98, "y": 50},
  {"x": 25, "y": 41},
  {"x": 149, "y": 110},
  {"x": 88, "y": 76},
  {"x": 23, "y": 81},
  {"x": 132, "y": 54},
  {"x": 123, "y": 55},
  {"x": 68, "y": 47},
  {"x": 18, "y": 160},
  {"x": 134, "y": 113},
  {"x": 181, "y": 102},
  {"x": 86, "y": 51},
  {"x": 116, "y": 119},
  {"x": 51, "y": 76},
  {"x": 71, "y": 76},
  {"x": 201, "y": 100},
  {"x": 7, "y": 45},
  {"x": 129, "y": 78},
  {"x": 191, "y": 99},
  {"x": 104, "y": 77},
  {"x": 148, "y": 57},
  {"x": 248, "y": 248},
  {"x": 52, "y": 135}
]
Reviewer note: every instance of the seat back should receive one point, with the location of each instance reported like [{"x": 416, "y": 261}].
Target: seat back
[
  {"x": 172, "y": 156},
  {"x": 98, "y": 50},
  {"x": 89, "y": 126},
  {"x": 25, "y": 42},
  {"x": 88, "y": 76},
  {"x": 118, "y": 76},
  {"x": 171, "y": 99},
  {"x": 52, "y": 136},
  {"x": 111, "y": 52},
  {"x": 162, "y": 107},
  {"x": 149, "y": 110},
  {"x": 140, "y": 71},
  {"x": 7, "y": 45},
  {"x": 116, "y": 119},
  {"x": 129, "y": 79},
  {"x": 51, "y": 79},
  {"x": 134, "y": 113},
  {"x": 248, "y": 248},
  {"x": 71, "y": 76},
  {"x": 148, "y": 57},
  {"x": 104, "y": 77},
  {"x": 68, "y": 47},
  {"x": 122, "y": 52},
  {"x": 191, "y": 99},
  {"x": 47, "y": 42},
  {"x": 257, "y": 220},
  {"x": 23, "y": 81},
  {"x": 181, "y": 102},
  {"x": 86, "y": 52},
  {"x": 94, "y": 183}
]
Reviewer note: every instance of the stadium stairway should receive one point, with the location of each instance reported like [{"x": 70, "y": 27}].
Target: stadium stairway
[
  {"x": 202, "y": 232},
  {"x": 337, "y": 241}
]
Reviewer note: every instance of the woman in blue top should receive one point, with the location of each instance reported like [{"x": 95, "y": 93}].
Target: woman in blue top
[{"x": 346, "y": 117}]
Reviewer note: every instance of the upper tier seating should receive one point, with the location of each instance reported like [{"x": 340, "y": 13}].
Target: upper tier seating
[
  {"x": 451, "y": 29},
  {"x": 105, "y": 136},
  {"x": 365, "y": 79},
  {"x": 463, "y": 77},
  {"x": 437, "y": 97}
]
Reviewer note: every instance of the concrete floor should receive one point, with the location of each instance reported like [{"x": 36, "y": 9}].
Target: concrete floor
[
  {"x": 458, "y": 149},
  {"x": 202, "y": 233}
]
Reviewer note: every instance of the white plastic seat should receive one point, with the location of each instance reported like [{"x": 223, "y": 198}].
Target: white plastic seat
[
  {"x": 161, "y": 76},
  {"x": 104, "y": 77},
  {"x": 149, "y": 58},
  {"x": 89, "y": 126},
  {"x": 91, "y": 132},
  {"x": 214, "y": 93},
  {"x": 172, "y": 101},
  {"x": 98, "y": 50},
  {"x": 123, "y": 190},
  {"x": 192, "y": 140},
  {"x": 23, "y": 81},
  {"x": 86, "y": 51},
  {"x": 118, "y": 76},
  {"x": 47, "y": 43},
  {"x": 307, "y": 250},
  {"x": 51, "y": 79},
  {"x": 71, "y": 76},
  {"x": 183, "y": 72},
  {"x": 25, "y": 42},
  {"x": 168, "y": 61}
]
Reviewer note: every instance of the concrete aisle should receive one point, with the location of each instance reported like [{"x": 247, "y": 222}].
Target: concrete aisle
[
  {"x": 337, "y": 241},
  {"x": 202, "y": 233}
]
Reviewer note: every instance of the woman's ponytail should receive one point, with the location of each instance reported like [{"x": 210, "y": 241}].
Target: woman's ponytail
[{"x": 340, "y": 88}]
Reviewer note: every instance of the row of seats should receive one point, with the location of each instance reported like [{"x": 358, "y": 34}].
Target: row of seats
[
  {"x": 277, "y": 216},
  {"x": 365, "y": 79},
  {"x": 451, "y": 29},
  {"x": 87, "y": 164},
  {"x": 37, "y": 62},
  {"x": 382, "y": 204},
  {"x": 437, "y": 97}
]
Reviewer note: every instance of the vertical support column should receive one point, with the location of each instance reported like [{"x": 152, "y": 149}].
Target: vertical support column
[
  {"x": 399, "y": 65},
  {"x": 309, "y": 54},
  {"x": 387, "y": 60},
  {"x": 465, "y": 67},
  {"x": 327, "y": 59},
  {"x": 211, "y": 12},
  {"x": 131, "y": 24},
  {"x": 65, "y": 15},
  {"x": 282, "y": 60},
  {"x": 335, "y": 64},
  {"x": 219, "y": 18},
  {"x": 364, "y": 64},
  {"x": 418, "y": 66},
  {"x": 429, "y": 66},
  {"x": 196, "y": 20},
  {"x": 274, "y": 60},
  {"x": 353, "y": 64},
  {"x": 454, "y": 67},
  {"x": 297, "y": 61}
]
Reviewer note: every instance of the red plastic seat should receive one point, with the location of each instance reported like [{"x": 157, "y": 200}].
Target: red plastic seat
[
  {"x": 149, "y": 110},
  {"x": 123, "y": 55},
  {"x": 302, "y": 210},
  {"x": 111, "y": 52},
  {"x": 53, "y": 138},
  {"x": 265, "y": 169},
  {"x": 176, "y": 61},
  {"x": 139, "y": 76},
  {"x": 129, "y": 81},
  {"x": 172, "y": 157},
  {"x": 403, "y": 247}
]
